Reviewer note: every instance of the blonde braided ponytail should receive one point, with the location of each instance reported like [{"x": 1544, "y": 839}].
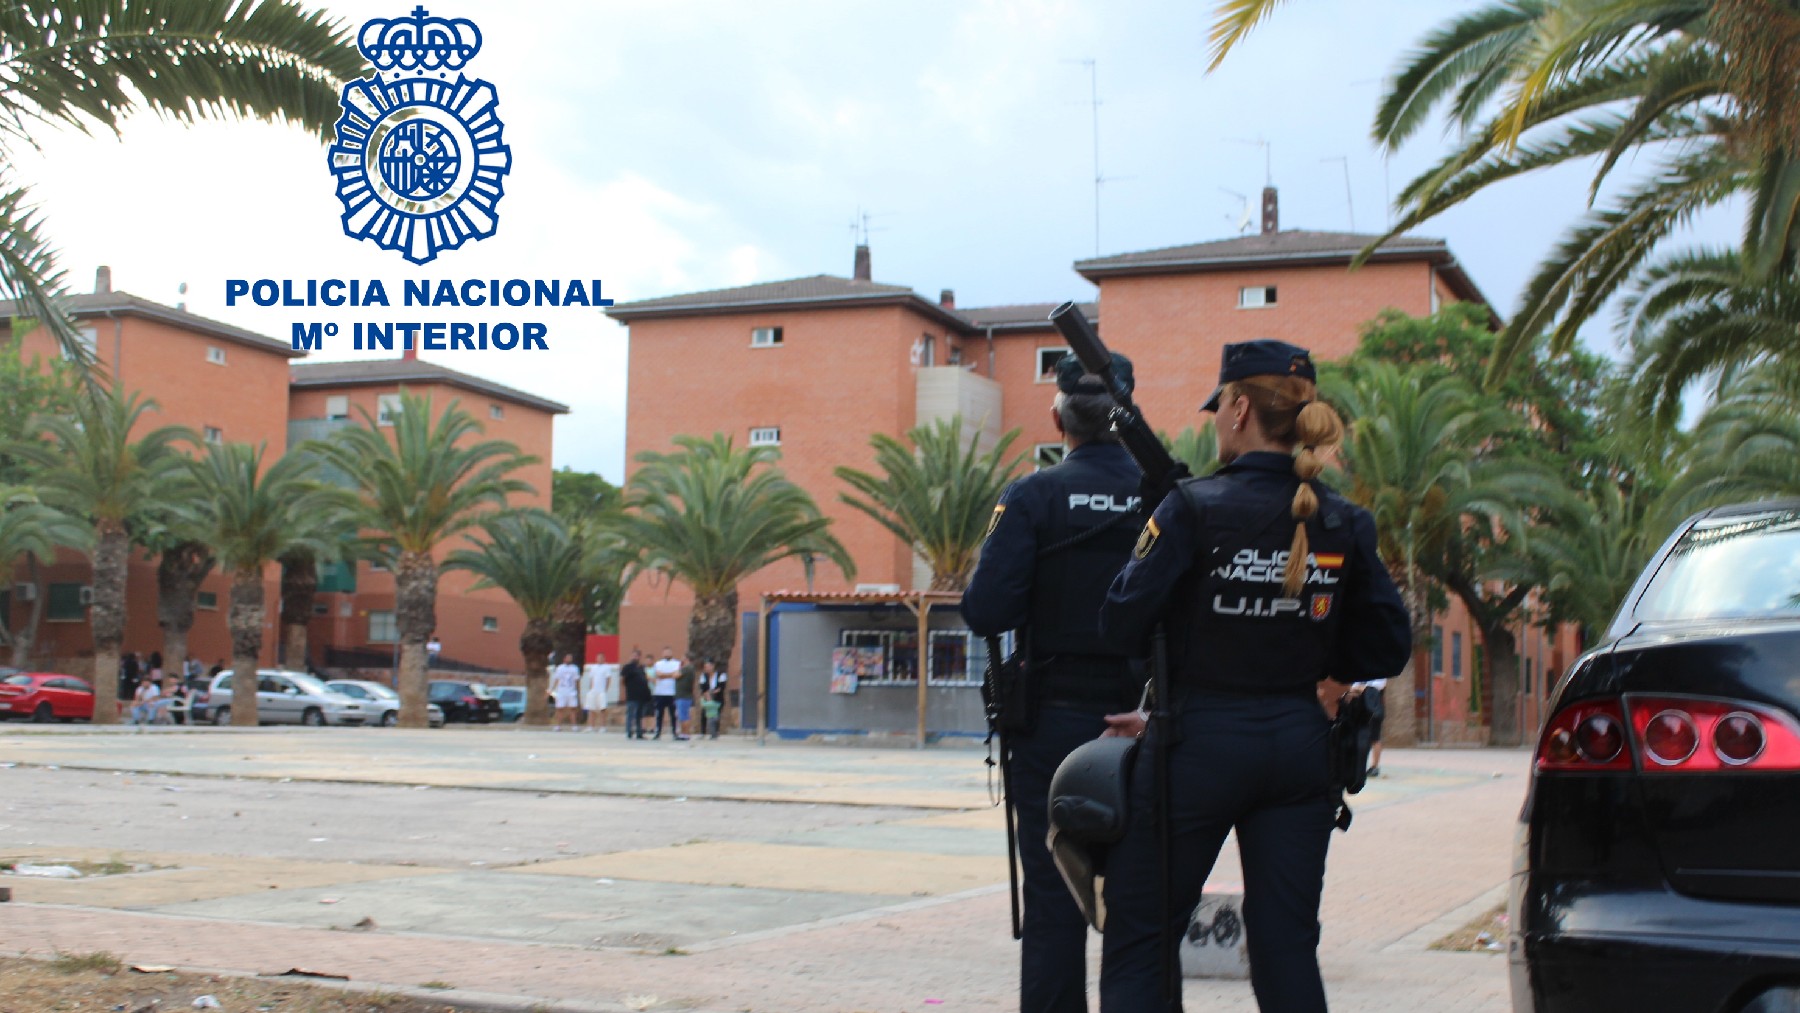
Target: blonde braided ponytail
[{"x": 1287, "y": 413}]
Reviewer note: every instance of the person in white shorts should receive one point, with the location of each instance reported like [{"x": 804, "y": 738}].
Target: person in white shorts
[
  {"x": 565, "y": 693},
  {"x": 594, "y": 680}
]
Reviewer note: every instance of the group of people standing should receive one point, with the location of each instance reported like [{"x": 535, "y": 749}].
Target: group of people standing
[{"x": 671, "y": 688}]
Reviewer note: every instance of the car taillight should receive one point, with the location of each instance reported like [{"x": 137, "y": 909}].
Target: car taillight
[
  {"x": 1585, "y": 736},
  {"x": 469, "y": 701},
  {"x": 1696, "y": 734}
]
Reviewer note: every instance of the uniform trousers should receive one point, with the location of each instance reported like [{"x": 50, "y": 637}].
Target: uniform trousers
[
  {"x": 1257, "y": 763},
  {"x": 1053, "y": 952}
]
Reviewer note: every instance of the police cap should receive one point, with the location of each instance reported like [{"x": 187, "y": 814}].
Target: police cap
[
  {"x": 1073, "y": 378},
  {"x": 1262, "y": 357}
]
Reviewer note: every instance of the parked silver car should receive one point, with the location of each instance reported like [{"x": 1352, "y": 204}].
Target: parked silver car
[
  {"x": 381, "y": 699},
  {"x": 288, "y": 698}
]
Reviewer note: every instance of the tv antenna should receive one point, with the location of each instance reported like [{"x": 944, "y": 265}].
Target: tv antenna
[
  {"x": 1094, "y": 102},
  {"x": 1247, "y": 217},
  {"x": 1268, "y": 156},
  {"x": 1349, "y": 201},
  {"x": 860, "y": 227}
]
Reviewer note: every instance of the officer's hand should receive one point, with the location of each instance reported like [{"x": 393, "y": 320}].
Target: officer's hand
[
  {"x": 1129, "y": 725},
  {"x": 1331, "y": 695}
]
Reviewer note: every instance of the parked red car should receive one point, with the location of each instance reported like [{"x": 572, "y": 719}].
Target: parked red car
[{"x": 45, "y": 696}]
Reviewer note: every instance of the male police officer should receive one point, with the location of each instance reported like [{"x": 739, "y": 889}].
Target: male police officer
[{"x": 1056, "y": 539}]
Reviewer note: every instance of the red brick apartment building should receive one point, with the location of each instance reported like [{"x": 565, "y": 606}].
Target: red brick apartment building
[
  {"x": 229, "y": 384},
  {"x": 816, "y": 365}
]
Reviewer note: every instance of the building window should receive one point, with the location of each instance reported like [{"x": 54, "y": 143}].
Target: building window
[
  {"x": 765, "y": 436},
  {"x": 1437, "y": 298},
  {"x": 1047, "y": 455},
  {"x": 958, "y": 658},
  {"x": 387, "y": 408},
  {"x": 1437, "y": 650},
  {"x": 496, "y": 412},
  {"x": 208, "y": 600},
  {"x": 321, "y": 609},
  {"x": 376, "y": 567},
  {"x": 337, "y": 406},
  {"x": 382, "y": 627},
  {"x": 88, "y": 338},
  {"x": 1456, "y": 656},
  {"x": 899, "y": 654},
  {"x": 925, "y": 352},
  {"x": 215, "y": 355},
  {"x": 1527, "y": 676},
  {"x": 214, "y": 434},
  {"x": 1046, "y": 363},
  {"x": 67, "y": 603},
  {"x": 765, "y": 337},
  {"x": 1256, "y": 297},
  {"x": 490, "y": 624}
]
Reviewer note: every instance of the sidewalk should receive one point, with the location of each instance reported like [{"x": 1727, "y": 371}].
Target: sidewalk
[{"x": 614, "y": 903}]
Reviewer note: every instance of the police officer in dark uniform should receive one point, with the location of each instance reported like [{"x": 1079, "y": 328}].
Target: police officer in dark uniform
[
  {"x": 1056, "y": 540},
  {"x": 1274, "y": 601}
]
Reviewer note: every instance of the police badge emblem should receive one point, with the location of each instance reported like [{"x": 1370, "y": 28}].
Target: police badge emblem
[
  {"x": 1321, "y": 607},
  {"x": 1147, "y": 540},
  {"x": 418, "y": 156}
]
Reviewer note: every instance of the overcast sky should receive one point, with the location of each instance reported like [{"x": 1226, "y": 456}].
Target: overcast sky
[{"x": 667, "y": 146}]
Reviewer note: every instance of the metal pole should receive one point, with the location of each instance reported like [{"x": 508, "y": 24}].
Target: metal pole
[
  {"x": 924, "y": 613},
  {"x": 762, "y": 674}
]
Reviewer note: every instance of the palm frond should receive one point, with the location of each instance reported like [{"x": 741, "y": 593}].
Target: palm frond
[{"x": 1234, "y": 21}]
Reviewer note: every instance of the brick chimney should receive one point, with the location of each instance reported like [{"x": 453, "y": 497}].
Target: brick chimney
[
  {"x": 947, "y": 298},
  {"x": 102, "y": 279},
  {"x": 1271, "y": 211},
  {"x": 862, "y": 272}
]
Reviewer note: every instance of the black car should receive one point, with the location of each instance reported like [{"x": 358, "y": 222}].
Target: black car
[
  {"x": 465, "y": 701},
  {"x": 1658, "y": 867}
]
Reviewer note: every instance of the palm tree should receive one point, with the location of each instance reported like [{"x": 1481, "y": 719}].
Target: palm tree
[
  {"x": 1233, "y": 23},
  {"x": 1695, "y": 84},
  {"x": 87, "y": 63},
  {"x": 1746, "y": 446},
  {"x": 710, "y": 515},
  {"x": 251, "y": 516},
  {"x": 530, "y": 556},
  {"x": 937, "y": 495},
  {"x": 1414, "y": 460},
  {"x": 1699, "y": 314},
  {"x": 1196, "y": 448},
  {"x": 88, "y": 465},
  {"x": 427, "y": 484},
  {"x": 28, "y": 528}
]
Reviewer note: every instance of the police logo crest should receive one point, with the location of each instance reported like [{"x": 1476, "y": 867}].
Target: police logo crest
[
  {"x": 1321, "y": 607},
  {"x": 418, "y": 156}
]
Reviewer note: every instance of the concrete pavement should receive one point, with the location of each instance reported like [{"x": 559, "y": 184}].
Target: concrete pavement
[{"x": 587, "y": 870}]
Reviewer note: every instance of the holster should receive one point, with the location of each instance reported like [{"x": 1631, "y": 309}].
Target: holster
[
  {"x": 1009, "y": 696},
  {"x": 1348, "y": 746}
]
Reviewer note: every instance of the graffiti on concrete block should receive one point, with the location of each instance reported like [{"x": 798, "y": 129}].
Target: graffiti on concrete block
[{"x": 1223, "y": 931}]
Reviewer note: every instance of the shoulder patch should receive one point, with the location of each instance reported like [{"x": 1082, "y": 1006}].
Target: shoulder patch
[
  {"x": 1147, "y": 540},
  {"x": 994, "y": 521}
]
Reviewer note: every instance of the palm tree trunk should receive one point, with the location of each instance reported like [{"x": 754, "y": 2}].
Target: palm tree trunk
[
  {"x": 415, "y": 612},
  {"x": 299, "y": 589},
  {"x": 27, "y": 636},
  {"x": 534, "y": 647},
  {"x": 1503, "y": 680},
  {"x": 106, "y": 617},
  {"x": 712, "y": 628},
  {"x": 178, "y": 576},
  {"x": 246, "y": 622},
  {"x": 570, "y": 630}
]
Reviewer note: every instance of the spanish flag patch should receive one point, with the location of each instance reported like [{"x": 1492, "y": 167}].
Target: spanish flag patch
[
  {"x": 1328, "y": 560},
  {"x": 1147, "y": 540}
]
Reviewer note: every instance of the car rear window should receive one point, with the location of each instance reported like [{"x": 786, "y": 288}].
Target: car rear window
[{"x": 1741, "y": 566}]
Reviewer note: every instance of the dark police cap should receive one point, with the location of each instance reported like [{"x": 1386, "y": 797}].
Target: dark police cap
[
  {"x": 1073, "y": 378},
  {"x": 1262, "y": 357}
]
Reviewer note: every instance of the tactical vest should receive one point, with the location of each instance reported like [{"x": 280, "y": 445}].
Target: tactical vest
[
  {"x": 1092, "y": 522},
  {"x": 1236, "y": 630}
]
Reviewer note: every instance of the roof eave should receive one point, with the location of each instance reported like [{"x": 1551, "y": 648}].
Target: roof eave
[
  {"x": 186, "y": 321},
  {"x": 471, "y": 384},
  {"x": 1096, "y": 270},
  {"x": 628, "y": 312}
]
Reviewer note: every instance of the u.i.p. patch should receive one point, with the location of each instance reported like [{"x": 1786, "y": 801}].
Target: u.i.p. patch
[{"x": 1147, "y": 540}]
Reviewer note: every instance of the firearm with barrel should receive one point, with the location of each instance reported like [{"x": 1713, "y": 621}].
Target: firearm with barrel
[{"x": 1161, "y": 473}]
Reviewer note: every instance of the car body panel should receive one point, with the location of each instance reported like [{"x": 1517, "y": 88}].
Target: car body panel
[
  {"x": 68, "y": 697},
  {"x": 1667, "y": 887},
  {"x": 383, "y": 700},
  {"x": 282, "y": 698},
  {"x": 454, "y": 697}
]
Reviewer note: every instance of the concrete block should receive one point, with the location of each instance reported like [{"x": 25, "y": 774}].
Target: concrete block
[{"x": 1213, "y": 946}]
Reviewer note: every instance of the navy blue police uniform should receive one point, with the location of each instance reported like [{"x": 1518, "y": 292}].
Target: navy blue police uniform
[
  {"x": 1249, "y": 743},
  {"x": 1055, "y": 541}
]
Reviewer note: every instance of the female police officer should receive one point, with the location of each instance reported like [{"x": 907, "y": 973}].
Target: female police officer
[{"x": 1268, "y": 583}]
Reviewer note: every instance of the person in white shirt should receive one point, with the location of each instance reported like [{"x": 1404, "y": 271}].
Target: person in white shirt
[
  {"x": 1372, "y": 692},
  {"x": 712, "y": 697},
  {"x": 145, "y": 703},
  {"x": 662, "y": 691},
  {"x": 594, "y": 679},
  {"x": 565, "y": 693}
]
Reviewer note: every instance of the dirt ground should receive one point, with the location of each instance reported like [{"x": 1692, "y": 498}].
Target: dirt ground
[
  {"x": 99, "y": 982},
  {"x": 1486, "y": 934}
]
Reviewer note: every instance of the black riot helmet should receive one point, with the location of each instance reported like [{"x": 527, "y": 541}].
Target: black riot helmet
[{"x": 1089, "y": 805}]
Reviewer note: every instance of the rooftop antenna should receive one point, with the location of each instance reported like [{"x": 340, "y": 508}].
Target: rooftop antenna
[
  {"x": 1248, "y": 217},
  {"x": 1349, "y": 201},
  {"x": 860, "y": 227},
  {"x": 1268, "y": 156},
  {"x": 1094, "y": 101}
]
